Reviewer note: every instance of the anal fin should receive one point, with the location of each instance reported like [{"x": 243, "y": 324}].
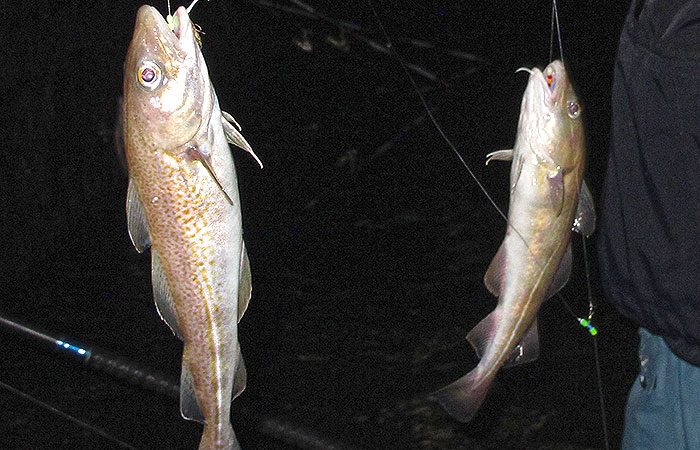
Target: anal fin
[{"x": 495, "y": 274}]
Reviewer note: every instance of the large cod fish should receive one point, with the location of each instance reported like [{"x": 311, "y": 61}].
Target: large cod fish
[
  {"x": 547, "y": 199},
  {"x": 183, "y": 202}
]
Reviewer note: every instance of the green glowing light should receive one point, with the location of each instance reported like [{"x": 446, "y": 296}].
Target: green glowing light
[{"x": 587, "y": 324}]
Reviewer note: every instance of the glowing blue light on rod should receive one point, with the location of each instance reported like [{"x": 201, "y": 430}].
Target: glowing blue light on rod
[{"x": 73, "y": 348}]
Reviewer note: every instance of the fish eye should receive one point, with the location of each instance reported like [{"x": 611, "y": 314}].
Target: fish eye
[
  {"x": 149, "y": 75},
  {"x": 573, "y": 109}
]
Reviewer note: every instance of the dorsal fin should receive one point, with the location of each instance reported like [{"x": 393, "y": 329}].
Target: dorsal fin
[{"x": 495, "y": 274}]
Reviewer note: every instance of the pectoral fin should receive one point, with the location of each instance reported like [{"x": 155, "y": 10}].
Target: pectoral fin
[
  {"x": 136, "y": 219},
  {"x": 203, "y": 155},
  {"x": 584, "y": 221},
  {"x": 162, "y": 295},
  {"x": 500, "y": 155},
  {"x": 234, "y": 136},
  {"x": 555, "y": 177}
]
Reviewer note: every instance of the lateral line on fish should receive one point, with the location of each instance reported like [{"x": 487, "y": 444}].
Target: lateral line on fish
[{"x": 206, "y": 291}]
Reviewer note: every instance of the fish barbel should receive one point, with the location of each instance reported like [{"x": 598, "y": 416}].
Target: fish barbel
[
  {"x": 183, "y": 202},
  {"x": 548, "y": 199}
]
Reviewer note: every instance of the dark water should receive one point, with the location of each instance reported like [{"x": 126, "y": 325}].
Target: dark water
[{"x": 367, "y": 258}]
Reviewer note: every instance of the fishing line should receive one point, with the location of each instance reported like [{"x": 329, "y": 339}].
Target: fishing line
[
  {"x": 599, "y": 377},
  {"x": 391, "y": 49},
  {"x": 555, "y": 17},
  {"x": 66, "y": 416},
  {"x": 587, "y": 323}
]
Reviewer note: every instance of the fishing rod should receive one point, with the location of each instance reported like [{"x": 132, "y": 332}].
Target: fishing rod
[{"x": 136, "y": 374}]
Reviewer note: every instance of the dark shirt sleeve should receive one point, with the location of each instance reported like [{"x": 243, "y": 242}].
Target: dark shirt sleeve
[
  {"x": 649, "y": 241},
  {"x": 674, "y": 25}
]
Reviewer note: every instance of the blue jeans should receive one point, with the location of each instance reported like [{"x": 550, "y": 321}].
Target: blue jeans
[{"x": 663, "y": 408}]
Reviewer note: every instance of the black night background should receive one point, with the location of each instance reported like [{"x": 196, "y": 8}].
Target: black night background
[{"x": 368, "y": 240}]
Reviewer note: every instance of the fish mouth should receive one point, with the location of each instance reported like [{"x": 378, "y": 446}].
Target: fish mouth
[
  {"x": 182, "y": 26},
  {"x": 177, "y": 31},
  {"x": 547, "y": 83}
]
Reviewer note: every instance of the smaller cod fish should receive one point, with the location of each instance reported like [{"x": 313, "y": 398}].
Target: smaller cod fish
[
  {"x": 183, "y": 202},
  {"x": 548, "y": 199}
]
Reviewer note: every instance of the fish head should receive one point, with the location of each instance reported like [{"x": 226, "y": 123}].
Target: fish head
[
  {"x": 167, "y": 93},
  {"x": 550, "y": 116}
]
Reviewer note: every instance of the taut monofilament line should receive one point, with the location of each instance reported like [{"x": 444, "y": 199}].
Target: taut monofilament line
[{"x": 555, "y": 19}]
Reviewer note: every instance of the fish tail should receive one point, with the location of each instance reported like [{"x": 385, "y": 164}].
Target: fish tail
[
  {"x": 219, "y": 437},
  {"x": 463, "y": 398}
]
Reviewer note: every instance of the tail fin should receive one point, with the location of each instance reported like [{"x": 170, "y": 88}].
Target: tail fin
[{"x": 463, "y": 398}]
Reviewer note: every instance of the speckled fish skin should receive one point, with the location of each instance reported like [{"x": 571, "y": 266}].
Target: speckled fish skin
[
  {"x": 194, "y": 231},
  {"x": 546, "y": 179}
]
